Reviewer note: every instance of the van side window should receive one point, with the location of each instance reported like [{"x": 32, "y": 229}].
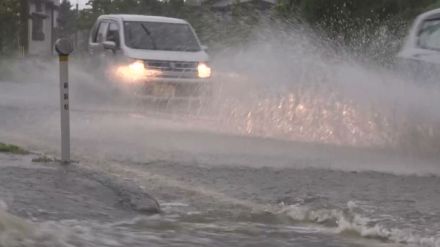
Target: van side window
[
  {"x": 102, "y": 29},
  {"x": 429, "y": 35},
  {"x": 113, "y": 33}
]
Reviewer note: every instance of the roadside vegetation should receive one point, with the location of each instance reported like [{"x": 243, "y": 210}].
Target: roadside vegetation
[
  {"x": 12, "y": 149},
  {"x": 350, "y": 23},
  {"x": 342, "y": 21}
]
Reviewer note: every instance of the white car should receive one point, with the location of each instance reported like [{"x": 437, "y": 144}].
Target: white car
[
  {"x": 162, "y": 56},
  {"x": 421, "y": 51}
]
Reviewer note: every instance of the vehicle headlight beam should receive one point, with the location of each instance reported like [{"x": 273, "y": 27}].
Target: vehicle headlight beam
[{"x": 204, "y": 71}]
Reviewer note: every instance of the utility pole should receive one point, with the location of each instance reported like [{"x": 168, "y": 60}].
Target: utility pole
[
  {"x": 24, "y": 27},
  {"x": 76, "y": 24}
]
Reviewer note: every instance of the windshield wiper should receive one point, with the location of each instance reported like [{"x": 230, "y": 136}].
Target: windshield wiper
[{"x": 149, "y": 35}]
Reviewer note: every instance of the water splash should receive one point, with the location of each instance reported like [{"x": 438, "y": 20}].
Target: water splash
[
  {"x": 352, "y": 220},
  {"x": 292, "y": 84}
]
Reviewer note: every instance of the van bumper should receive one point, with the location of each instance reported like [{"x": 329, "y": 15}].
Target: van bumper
[
  {"x": 179, "y": 80},
  {"x": 178, "y": 88}
]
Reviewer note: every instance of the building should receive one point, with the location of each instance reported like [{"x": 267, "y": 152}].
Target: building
[{"x": 39, "y": 36}]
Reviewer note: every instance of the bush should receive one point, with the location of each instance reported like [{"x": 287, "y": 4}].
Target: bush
[{"x": 7, "y": 148}]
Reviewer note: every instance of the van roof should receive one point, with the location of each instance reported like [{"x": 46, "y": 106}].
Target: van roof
[
  {"x": 435, "y": 13},
  {"x": 146, "y": 18}
]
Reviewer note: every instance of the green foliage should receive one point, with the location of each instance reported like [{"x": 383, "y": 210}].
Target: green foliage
[
  {"x": 324, "y": 10},
  {"x": 435, "y": 5},
  {"x": 145, "y": 7},
  {"x": 9, "y": 25},
  {"x": 338, "y": 17},
  {"x": 366, "y": 27},
  {"x": 66, "y": 19},
  {"x": 7, "y": 148},
  {"x": 213, "y": 29},
  {"x": 341, "y": 20}
]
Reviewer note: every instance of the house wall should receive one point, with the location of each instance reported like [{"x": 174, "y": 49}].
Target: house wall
[{"x": 42, "y": 47}]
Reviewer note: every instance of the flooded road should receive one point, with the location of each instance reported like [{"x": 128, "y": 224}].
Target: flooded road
[
  {"x": 317, "y": 151},
  {"x": 215, "y": 186}
]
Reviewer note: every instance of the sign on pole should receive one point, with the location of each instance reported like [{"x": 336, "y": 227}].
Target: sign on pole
[{"x": 64, "y": 48}]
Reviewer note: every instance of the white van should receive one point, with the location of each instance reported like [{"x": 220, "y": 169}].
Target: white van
[
  {"x": 162, "y": 56},
  {"x": 421, "y": 51}
]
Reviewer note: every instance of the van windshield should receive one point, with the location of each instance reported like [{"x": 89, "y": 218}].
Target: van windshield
[{"x": 160, "y": 36}]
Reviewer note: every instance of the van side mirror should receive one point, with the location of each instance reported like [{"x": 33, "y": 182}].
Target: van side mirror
[{"x": 109, "y": 45}]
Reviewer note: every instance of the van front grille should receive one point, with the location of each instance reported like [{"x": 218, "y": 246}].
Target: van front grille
[{"x": 173, "y": 69}]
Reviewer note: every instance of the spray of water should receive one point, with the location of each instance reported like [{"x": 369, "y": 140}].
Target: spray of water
[
  {"x": 287, "y": 82},
  {"x": 290, "y": 82}
]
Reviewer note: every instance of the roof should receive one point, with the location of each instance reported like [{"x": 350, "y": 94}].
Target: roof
[
  {"x": 225, "y": 3},
  {"x": 55, "y": 3},
  {"x": 146, "y": 18}
]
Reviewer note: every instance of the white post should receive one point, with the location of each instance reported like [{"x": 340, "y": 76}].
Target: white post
[
  {"x": 64, "y": 47},
  {"x": 64, "y": 106}
]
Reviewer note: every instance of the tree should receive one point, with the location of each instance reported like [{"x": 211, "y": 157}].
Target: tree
[
  {"x": 100, "y": 7},
  {"x": 9, "y": 25},
  {"x": 66, "y": 19},
  {"x": 345, "y": 19}
]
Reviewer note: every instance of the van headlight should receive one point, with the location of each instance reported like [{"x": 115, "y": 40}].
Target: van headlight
[
  {"x": 204, "y": 71},
  {"x": 135, "y": 71}
]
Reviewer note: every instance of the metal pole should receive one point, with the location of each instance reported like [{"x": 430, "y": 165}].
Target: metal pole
[
  {"x": 64, "y": 106},
  {"x": 24, "y": 26},
  {"x": 64, "y": 47}
]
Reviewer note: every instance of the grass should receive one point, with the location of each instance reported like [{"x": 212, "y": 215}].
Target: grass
[{"x": 12, "y": 149}]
